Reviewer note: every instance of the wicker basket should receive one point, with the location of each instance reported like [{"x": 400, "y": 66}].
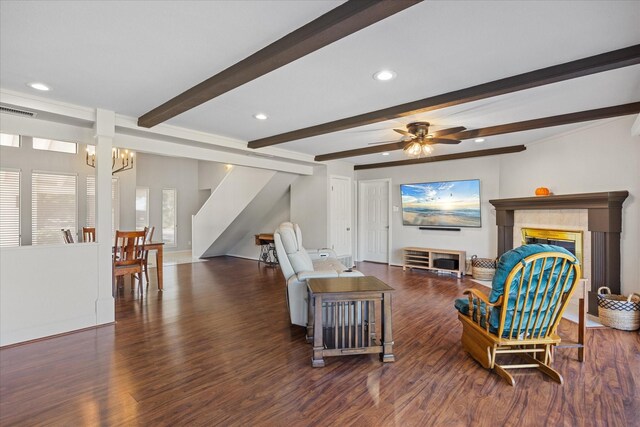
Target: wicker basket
[
  {"x": 618, "y": 311},
  {"x": 483, "y": 268}
]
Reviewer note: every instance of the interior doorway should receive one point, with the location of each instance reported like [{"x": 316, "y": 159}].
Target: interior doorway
[
  {"x": 340, "y": 200},
  {"x": 373, "y": 220}
]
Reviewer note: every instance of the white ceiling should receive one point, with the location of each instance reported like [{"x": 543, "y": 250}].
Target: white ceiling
[{"x": 132, "y": 56}]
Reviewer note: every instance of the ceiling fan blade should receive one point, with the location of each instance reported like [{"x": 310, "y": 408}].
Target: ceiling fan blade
[
  {"x": 405, "y": 133},
  {"x": 442, "y": 141},
  {"x": 383, "y": 142},
  {"x": 449, "y": 131}
]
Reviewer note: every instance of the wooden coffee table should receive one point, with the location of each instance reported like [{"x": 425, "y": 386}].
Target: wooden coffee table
[{"x": 342, "y": 318}]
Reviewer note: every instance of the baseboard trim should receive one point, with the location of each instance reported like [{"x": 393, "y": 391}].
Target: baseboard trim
[
  {"x": 242, "y": 257},
  {"x": 48, "y": 337}
]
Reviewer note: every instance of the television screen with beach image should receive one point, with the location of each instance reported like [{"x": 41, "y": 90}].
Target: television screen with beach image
[{"x": 441, "y": 204}]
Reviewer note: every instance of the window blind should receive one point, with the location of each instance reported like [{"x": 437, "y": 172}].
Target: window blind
[
  {"x": 9, "y": 208},
  {"x": 53, "y": 207},
  {"x": 91, "y": 201}
]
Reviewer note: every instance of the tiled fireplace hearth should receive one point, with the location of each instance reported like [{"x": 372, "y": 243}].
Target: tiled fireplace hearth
[{"x": 597, "y": 215}]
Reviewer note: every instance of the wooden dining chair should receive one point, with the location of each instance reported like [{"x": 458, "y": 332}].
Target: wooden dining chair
[
  {"x": 128, "y": 257},
  {"x": 66, "y": 235},
  {"x": 148, "y": 237},
  {"x": 88, "y": 234}
]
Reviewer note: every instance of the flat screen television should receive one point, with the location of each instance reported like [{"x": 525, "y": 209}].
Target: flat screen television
[{"x": 441, "y": 204}]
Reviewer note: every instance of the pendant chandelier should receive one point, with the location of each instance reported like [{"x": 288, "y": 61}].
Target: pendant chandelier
[{"x": 121, "y": 160}]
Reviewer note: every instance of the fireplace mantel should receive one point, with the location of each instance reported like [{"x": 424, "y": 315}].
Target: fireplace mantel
[
  {"x": 604, "y": 222},
  {"x": 609, "y": 199}
]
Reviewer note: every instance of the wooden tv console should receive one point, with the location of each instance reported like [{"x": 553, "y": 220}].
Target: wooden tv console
[{"x": 424, "y": 258}]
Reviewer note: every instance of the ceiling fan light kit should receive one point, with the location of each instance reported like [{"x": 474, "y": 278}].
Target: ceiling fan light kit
[
  {"x": 416, "y": 149},
  {"x": 413, "y": 149},
  {"x": 420, "y": 140}
]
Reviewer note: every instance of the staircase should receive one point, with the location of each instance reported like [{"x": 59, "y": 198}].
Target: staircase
[{"x": 236, "y": 206}]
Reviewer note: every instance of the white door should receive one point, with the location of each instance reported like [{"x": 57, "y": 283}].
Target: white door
[
  {"x": 340, "y": 214},
  {"x": 373, "y": 221}
]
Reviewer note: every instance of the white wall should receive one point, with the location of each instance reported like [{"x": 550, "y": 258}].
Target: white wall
[
  {"x": 600, "y": 157},
  {"x": 160, "y": 172},
  {"x": 210, "y": 174},
  {"x": 309, "y": 207},
  {"x": 310, "y": 203},
  {"x": 475, "y": 241},
  {"x": 47, "y": 290}
]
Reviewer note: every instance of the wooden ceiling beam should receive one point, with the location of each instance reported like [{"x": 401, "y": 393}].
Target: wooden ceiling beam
[
  {"x": 334, "y": 25},
  {"x": 545, "y": 122},
  {"x": 569, "y": 70},
  {"x": 563, "y": 119},
  {"x": 456, "y": 156}
]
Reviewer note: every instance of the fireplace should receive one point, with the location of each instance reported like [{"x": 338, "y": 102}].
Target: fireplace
[
  {"x": 571, "y": 240},
  {"x": 603, "y": 226}
]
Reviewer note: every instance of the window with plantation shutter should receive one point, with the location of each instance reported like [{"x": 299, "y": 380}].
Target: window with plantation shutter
[
  {"x": 142, "y": 208},
  {"x": 169, "y": 217},
  {"x": 9, "y": 208},
  {"x": 53, "y": 207},
  {"x": 115, "y": 204}
]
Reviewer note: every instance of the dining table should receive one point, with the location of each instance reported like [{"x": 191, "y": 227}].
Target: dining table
[{"x": 158, "y": 247}]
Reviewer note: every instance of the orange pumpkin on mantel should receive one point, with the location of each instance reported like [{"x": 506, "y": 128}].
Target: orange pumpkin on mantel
[{"x": 542, "y": 191}]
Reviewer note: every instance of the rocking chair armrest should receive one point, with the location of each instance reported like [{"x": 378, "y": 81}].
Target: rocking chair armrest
[{"x": 481, "y": 298}]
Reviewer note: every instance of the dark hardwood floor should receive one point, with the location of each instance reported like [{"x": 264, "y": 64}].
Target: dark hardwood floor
[{"x": 216, "y": 348}]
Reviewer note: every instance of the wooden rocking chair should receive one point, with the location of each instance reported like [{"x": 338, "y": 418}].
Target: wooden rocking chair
[{"x": 530, "y": 291}]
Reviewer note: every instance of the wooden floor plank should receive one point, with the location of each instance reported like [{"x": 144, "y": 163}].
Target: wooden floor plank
[{"x": 216, "y": 348}]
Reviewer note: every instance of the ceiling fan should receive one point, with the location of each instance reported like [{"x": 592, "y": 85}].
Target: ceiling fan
[{"x": 419, "y": 140}]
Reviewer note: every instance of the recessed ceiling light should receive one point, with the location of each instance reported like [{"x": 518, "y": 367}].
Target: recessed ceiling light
[
  {"x": 260, "y": 116},
  {"x": 384, "y": 75},
  {"x": 385, "y": 154},
  {"x": 478, "y": 140},
  {"x": 39, "y": 86}
]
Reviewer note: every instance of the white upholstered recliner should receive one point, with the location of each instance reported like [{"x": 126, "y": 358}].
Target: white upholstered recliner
[{"x": 299, "y": 264}]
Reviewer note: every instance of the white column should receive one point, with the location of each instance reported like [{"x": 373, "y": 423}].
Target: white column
[{"x": 104, "y": 134}]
